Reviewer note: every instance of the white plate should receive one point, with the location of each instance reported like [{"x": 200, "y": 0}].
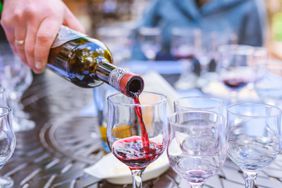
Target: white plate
[{"x": 114, "y": 171}]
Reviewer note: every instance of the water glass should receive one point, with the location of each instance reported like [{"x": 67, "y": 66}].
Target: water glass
[
  {"x": 137, "y": 134},
  {"x": 192, "y": 157},
  {"x": 254, "y": 133}
]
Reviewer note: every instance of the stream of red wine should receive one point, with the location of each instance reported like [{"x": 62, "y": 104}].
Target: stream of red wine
[{"x": 138, "y": 111}]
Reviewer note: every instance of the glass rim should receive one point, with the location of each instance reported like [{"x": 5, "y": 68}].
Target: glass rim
[
  {"x": 3, "y": 114},
  {"x": 218, "y": 116},
  {"x": 278, "y": 111},
  {"x": 163, "y": 99},
  {"x": 198, "y": 97}
]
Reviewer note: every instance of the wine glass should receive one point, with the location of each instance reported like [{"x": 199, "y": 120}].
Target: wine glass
[
  {"x": 137, "y": 133},
  {"x": 16, "y": 77},
  {"x": 184, "y": 42},
  {"x": 269, "y": 88},
  {"x": 236, "y": 67},
  {"x": 150, "y": 41},
  {"x": 197, "y": 145},
  {"x": 253, "y": 137},
  {"x": 7, "y": 143},
  {"x": 202, "y": 103}
]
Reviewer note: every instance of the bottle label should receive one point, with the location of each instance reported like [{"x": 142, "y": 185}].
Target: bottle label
[
  {"x": 66, "y": 34},
  {"x": 115, "y": 77}
]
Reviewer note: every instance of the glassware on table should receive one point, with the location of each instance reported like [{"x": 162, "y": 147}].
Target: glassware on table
[
  {"x": 7, "y": 143},
  {"x": 150, "y": 41},
  {"x": 126, "y": 136},
  {"x": 210, "y": 40},
  {"x": 254, "y": 133},
  {"x": 237, "y": 67},
  {"x": 16, "y": 77},
  {"x": 201, "y": 103},
  {"x": 184, "y": 42},
  {"x": 192, "y": 157}
]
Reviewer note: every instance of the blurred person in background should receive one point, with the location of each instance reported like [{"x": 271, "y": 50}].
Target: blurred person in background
[
  {"x": 32, "y": 26},
  {"x": 244, "y": 18}
]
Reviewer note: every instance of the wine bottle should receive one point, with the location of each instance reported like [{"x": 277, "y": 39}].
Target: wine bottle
[{"x": 87, "y": 63}]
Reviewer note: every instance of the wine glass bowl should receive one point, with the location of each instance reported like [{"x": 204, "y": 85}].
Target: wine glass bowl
[
  {"x": 254, "y": 137},
  {"x": 239, "y": 66},
  {"x": 137, "y": 133},
  {"x": 192, "y": 157}
]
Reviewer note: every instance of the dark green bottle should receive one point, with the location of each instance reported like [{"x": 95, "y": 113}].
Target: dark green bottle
[{"x": 87, "y": 63}]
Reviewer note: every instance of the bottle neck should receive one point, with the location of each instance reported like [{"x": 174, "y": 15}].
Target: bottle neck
[{"x": 122, "y": 80}]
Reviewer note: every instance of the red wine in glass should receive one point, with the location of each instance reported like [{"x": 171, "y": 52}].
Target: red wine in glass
[
  {"x": 132, "y": 152},
  {"x": 235, "y": 83}
]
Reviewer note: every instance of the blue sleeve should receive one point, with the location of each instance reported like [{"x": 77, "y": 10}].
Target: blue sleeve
[{"x": 253, "y": 27}]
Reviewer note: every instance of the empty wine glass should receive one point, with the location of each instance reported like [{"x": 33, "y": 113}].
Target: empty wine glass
[
  {"x": 197, "y": 145},
  {"x": 150, "y": 41},
  {"x": 201, "y": 103},
  {"x": 236, "y": 67},
  {"x": 137, "y": 133},
  {"x": 253, "y": 137},
  {"x": 184, "y": 44},
  {"x": 7, "y": 143},
  {"x": 16, "y": 77}
]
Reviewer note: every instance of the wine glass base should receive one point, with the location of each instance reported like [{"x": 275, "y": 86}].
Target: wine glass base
[
  {"x": 21, "y": 125},
  {"x": 6, "y": 182}
]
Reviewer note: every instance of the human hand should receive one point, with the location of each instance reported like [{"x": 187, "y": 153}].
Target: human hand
[{"x": 31, "y": 27}]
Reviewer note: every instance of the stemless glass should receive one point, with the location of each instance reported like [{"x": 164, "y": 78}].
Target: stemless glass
[
  {"x": 253, "y": 137},
  {"x": 7, "y": 143},
  {"x": 202, "y": 103},
  {"x": 150, "y": 41},
  {"x": 126, "y": 136},
  {"x": 197, "y": 145}
]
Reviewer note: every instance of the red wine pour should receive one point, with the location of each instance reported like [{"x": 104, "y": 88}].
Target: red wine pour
[
  {"x": 138, "y": 111},
  {"x": 132, "y": 152}
]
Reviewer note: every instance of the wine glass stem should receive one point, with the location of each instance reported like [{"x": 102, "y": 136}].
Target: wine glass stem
[
  {"x": 250, "y": 179},
  {"x": 137, "y": 178}
]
